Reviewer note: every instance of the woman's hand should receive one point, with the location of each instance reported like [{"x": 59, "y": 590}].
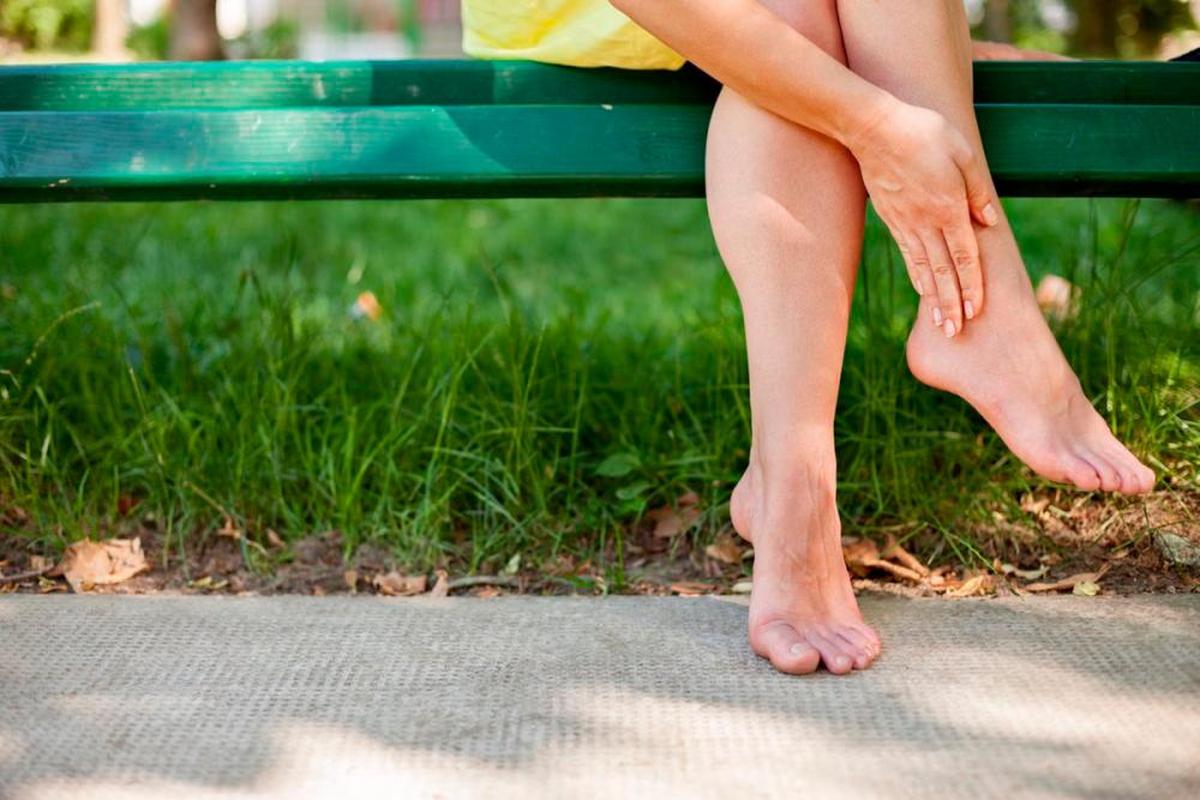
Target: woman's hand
[{"x": 927, "y": 184}]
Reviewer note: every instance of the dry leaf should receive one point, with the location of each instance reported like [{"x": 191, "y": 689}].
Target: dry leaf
[
  {"x": 350, "y": 577},
  {"x": 688, "y": 499},
  {"x": 1024, "y": 574},
  {"x": 724, "y": 549},
  {"x": 862, "y": 556},
  {"x": 691, "y": 588},
  {"x": 87, "y": 563},
  {"x": 229, "y": 530},
  {"x": 274, "y": 538},
  {"x": 441, "y": 586},
  {"x": 367, "y": 306},
  {"x": 1086, "y": 588},
  {"x": 896, "y": 552},
  {"x": 39, "y": 563},
  {"x": 1057, "y": 297},
  {"x": 394, "y": 584},
  {"x": 1068, "y": 582},
  {"x": 742, "y": 587},
  {"x": 670, "y": 522},
  {"x": 979, "y": 586}
]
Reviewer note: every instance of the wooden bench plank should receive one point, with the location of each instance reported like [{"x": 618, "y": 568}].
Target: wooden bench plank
[
  {"x": 286, "y": 84},
  {"x": 524, "y": 151}
]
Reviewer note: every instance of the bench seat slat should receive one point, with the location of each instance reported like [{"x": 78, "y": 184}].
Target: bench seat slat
[
  {"x": 524, "y": 150},
  {"x": 287, "y": 84}
]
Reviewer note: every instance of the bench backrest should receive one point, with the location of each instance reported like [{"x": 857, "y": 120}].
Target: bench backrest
[{"x": 407, "y": 129}]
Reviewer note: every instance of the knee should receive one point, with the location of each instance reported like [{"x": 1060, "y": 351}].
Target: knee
[{"x": 816, "y": 19}]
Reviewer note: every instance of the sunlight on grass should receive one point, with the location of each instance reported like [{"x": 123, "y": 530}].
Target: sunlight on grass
[{"x": 202, "y": 358}]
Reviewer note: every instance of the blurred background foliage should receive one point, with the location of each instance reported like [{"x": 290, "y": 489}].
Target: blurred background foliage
[{"x": 209, "y": 29}]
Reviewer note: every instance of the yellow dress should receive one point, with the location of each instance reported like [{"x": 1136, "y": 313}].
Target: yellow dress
[{"x": 580, "y": 33}]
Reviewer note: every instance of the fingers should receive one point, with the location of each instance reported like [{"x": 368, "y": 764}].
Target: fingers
[
  {"x": 948, "y": 311},
  {"x": 980, "y": 197},
  {"x": 964, "y": 254}
]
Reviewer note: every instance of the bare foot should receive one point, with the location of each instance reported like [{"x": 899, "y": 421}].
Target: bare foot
[
  {"x": 802, "y": 609},
  {"x": 1007, "y": 365}
]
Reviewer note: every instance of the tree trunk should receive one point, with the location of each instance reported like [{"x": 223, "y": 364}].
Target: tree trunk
[
  {"x": 110, "y": 30},
  {"x": 997, "y": 22},
  {"x": 1097, "y": 31},
  {"x": 194, "y": 35}
]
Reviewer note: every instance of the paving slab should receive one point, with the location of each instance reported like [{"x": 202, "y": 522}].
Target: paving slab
[{"x": 524, "y": 697}]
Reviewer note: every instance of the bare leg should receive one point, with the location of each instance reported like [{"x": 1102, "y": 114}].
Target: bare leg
[
  {"x": 1006, "y": 362},
  {"x": 787, "y": 208}
]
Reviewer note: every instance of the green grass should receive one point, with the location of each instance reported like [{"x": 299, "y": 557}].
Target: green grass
[{"x": 543, "y": 373}]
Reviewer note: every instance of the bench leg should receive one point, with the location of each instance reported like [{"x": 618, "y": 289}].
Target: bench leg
[
  {"x": 1006, "y": 362},
  {"x": 787, "y": 207}
]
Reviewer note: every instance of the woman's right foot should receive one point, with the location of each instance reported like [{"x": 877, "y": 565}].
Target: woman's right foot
[{"x": 1006, "y": 364}]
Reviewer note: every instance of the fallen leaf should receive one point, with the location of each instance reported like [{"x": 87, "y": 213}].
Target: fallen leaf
[
  {"x": 39, "y": 563},
  {"x": 487, "y": 592},
  {"x": 724, "y": 549},
  {"x": 691, "y": 588},
  {"x": 896, "y": 552},
  {"x": 229, "y": 530},
  {"x": 862, "y": 556},
  {"x": 87, "y": 563},
  {"x": 274, "y": 538},
  {"x": 980, "y": 585},
  {"x": 394, "y": 584},
  {"x": 1057, "y": 297},
  {"x": 350, "y": 577},
  {"x": 1024, "y": 574},
  {"x": 1068, "y": 582},
  {"x": 441, "y": 586},
  {"x": 688, "y": 499},
  {"x": 208, "y": 583},
  {"x": 742, "y": 587},
  {"x": 1086, "y": 589},
  {"x": 366, "y": 305},
  {"x": 670, "y": 522}
]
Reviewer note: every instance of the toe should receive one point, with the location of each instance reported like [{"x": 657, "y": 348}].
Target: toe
[
  {"x": 837, "y": 657},
  {"x": 786, "y": 649},
  {"x": 1136, "y": 477},
  {"x": 1081, "y": 473},
  {"x": 1110, "y": 478},
  {"x": 864, "y": 649}
]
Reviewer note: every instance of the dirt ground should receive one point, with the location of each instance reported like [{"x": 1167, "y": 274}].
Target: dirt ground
[{"x": 1066, "y": 542}]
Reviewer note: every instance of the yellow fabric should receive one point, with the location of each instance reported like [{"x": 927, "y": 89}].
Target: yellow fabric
[{"x": 580, "y": 33}]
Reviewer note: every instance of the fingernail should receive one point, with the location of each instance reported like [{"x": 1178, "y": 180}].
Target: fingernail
[
  {"x": 949, "y": 328},
  {"x": 937, "y": 316},
  {"x": 920, "y": 288},
  {"x": 969, "y": 309},
  {"x": 989, "y": 214}
]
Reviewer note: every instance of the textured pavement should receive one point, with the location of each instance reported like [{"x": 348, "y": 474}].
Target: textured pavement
[{"x": 169, "y": 697}]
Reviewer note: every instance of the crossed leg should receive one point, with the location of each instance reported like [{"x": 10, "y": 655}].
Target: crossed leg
[
  {"x": 1006, "y": 363},
  {"x": 787, "y": 208}
]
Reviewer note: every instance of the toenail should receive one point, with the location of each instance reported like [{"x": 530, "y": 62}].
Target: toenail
[
  {"x": 949, "y": 328},
  {"x": 937, "y": 316},
  {"x": 800, "y": 649}
]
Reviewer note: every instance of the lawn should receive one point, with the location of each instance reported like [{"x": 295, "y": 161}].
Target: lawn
[{"x": 543, "y": 373}]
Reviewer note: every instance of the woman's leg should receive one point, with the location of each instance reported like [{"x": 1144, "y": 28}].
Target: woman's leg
[
  {"x": 1005, "y": 362},
  {"x": 787, "y": 208}
]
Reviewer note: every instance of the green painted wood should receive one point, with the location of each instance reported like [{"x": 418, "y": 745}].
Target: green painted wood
[
  {"x": 525, "y": 150},
  {"x": 287, "y": 84}
]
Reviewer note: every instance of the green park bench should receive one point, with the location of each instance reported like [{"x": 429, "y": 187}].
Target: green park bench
[{"x": 415, "y": 129}]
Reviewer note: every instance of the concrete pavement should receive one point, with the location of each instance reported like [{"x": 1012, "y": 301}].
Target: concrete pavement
[{"x": 523, "y": 697}]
